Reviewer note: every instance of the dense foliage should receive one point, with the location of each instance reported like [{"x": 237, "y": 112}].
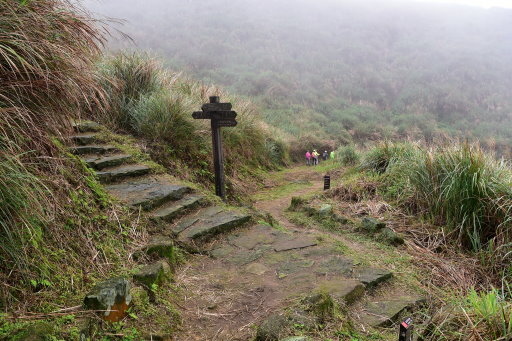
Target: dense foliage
[
  {"x": 460, "y": 188},
  {"x": 156, "y": 105},
  {"x": 348, "y": 70}
]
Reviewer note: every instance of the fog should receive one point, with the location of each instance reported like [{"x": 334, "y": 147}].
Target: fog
[{"x": 442, "y": 64}]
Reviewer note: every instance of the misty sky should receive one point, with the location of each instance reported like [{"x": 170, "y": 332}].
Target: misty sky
[{"x": 479, "y": 3}]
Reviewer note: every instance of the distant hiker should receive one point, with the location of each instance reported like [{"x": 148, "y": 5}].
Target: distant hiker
[
  {"x": 325, "y": 155},
  {"x": 315, "y": 156},
  {"x": 332, "y": 155},
  {"x": 308, "y": 158}
]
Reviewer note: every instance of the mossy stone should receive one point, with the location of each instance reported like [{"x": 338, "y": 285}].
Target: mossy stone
[
  {"x": 372, "y": 225},
  {"x": 388, "y": 236},
  {"x": 155, "y": 273},
  {"x": 40, "y": 331},
  {"x": 272, "y": 328}
]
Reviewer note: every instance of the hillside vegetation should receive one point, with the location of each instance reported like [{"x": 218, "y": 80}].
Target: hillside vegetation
[
  {"x": 59, "y": 229},
  {"x": 342, "y": 70}
]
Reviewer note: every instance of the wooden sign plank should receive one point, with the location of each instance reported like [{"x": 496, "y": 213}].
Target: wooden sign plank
[
  {"x": 222, "y": 115},
  {"x": 201, "y": 115},
  {"x": 216, "y": 107},
  {"x": 225, "y": 123}
]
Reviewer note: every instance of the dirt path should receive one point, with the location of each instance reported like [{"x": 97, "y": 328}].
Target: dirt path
[
  {"x": 253, "y": 274},
  {"x": 277, "y": 206}
]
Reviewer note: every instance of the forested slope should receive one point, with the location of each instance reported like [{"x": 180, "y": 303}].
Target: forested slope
[{"x": 349, "y": 70}]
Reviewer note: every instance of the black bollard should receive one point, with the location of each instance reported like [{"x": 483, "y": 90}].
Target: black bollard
[
  {"x": 406, "y": 327},
  {"x": 327, "y": 182}
]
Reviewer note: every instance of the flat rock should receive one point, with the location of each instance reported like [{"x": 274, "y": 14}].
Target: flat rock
[
  {"x": 92, "y": 149},
  {"x": 209, "y": 222},
  {"x": 110, "y": 298},
  {"x": 86, "y": 126},
  {"x": 222, "y": 251},
  {"x": 297, "y": 338},
  {"x": 294, "y": 266},
  {"x": 147, "y": 192},
  {"x": 99, "y": 162},
  {"x": 83, "y": 138},
  {"x": 372, "y": 277},
  {"x": 245, "y": 257},
  {"x": 151, "y": 274},
  {"x": 344, "y": 289},
  {"x": 175, "y": 208},
  {"x": 297, "y": 243},
  {"x": 260, "y": 234},
  {"x": 335, "y": 265},
  {"x": 112, "y": 174},
  {"x": 386, "y": 312},
  {"x": 256, "y": 269}
]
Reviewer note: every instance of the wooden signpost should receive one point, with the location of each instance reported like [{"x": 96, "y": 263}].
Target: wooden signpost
[{"x": 220, "y": 115}]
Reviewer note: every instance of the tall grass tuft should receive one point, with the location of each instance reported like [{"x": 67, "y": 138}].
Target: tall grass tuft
[
  {"x": 47, "y": 52},
  {"x": 459, "y": 187}
]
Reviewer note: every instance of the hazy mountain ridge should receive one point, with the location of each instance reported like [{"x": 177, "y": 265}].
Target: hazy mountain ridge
[{"x": 344, "y": 68}]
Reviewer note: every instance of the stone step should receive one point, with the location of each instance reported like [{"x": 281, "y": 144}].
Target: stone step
[
  {"x": 84, "y": 138},
  {"x": 113, "y": 174},
  {"x": 209, "y": 222},
  {"x": 86, "y": 126},
  {"x": 99, "y": 162},
  {"x": 92, "y": 149},
  {"x": 175, "y": 208},
  {"x": 147, "y": 192},
  {"x": 386, "y": 311}
]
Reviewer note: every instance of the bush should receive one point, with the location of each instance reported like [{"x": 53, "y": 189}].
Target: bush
[
  {"x": 458, "y": 187},
  {"x": 347, "y": 155}
]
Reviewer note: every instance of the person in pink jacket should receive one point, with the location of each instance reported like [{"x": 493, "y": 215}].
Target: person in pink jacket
[{"x": 308, "y": 158}]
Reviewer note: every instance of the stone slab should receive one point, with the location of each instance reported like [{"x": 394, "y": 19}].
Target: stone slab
[
  {"x": 92, "y": 149},
  {"x": 371, "y": 277},
  {"x": 173, "y": 209},
  {"x": 112, "y": 174},
  {"x": 335, "y": 265},
  {"x": 344, "y": 289},
  {"x": 84, "y": 138},
  {"x": 210, "y": 225},
  {"x": 147, "y": 192},
  {"x": 386, "y": 312},
  {"x": 99, "y": 162},
  {"x": 297, "y": 243}
]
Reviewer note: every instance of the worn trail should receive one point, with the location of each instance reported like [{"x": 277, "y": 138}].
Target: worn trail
[{"x": 250, "y": 276}]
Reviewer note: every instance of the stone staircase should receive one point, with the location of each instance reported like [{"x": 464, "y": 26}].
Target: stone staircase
[{"x": 137, "y": 186}]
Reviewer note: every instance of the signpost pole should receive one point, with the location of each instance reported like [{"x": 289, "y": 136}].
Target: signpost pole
[
  {"x": 218, "y": 158},
  {"x": 220, "y": 115}
]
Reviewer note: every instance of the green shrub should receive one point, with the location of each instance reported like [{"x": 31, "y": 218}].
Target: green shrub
[{"x": 347, "y": 155}]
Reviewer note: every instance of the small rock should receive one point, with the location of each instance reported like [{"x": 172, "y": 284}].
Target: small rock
[
  {"x": 87, "y": 126},
  {"x": 272, "y": 328},
  {"x": 151, "y": 274},
  {"x": 222, "y": 251},
  {"x": 388, "y": 236},
  {"x": 372, "y": 225},
  {"x": 161, "y": 247},
  {"x": 372, "y": 277},
  {"x": 297, "y": 338},
  {"x": 340, "y": 219},
  {"x": 256, "y": 269},
  {"x": 325, "y": 211},
  {"x": 111, "y": 297}
]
